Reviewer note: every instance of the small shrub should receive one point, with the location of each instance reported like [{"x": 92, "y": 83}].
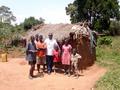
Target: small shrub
[{"x": 104, "y": 41}]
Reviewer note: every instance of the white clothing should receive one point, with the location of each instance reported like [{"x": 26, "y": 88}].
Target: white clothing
[
  {"x": 74, "y": 58},
  {"x": 50, "y": 46}
]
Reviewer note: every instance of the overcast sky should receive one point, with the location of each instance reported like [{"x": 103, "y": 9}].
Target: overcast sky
[{"x": 53, "y": 11}]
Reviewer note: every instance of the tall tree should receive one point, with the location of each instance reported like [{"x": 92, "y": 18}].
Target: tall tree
[
  {"x": 6, "y": 16},
  {"x": 100, "y": 10}
]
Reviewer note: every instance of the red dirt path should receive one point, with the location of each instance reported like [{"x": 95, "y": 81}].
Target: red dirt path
[{"x": 14, "y": 76}]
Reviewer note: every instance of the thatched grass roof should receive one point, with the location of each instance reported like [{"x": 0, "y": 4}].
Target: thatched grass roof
[{"x": 60, "y": 31}]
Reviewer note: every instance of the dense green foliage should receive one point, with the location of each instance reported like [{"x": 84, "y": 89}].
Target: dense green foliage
[
  {"x": 31, "y": 21},
  {"x": 109, "y": 57},
  {"x": 9, "y": 33},
  {"x": 100, "y": 10},
  {"x": 105, "y": 41},
  {"x": 5, "y": 33}
]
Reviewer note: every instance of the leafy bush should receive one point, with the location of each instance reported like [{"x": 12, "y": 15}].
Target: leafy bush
[
  {"x": 105, "y": 41},
  {"x": 97, "y": 25},
  {"x": 9, "y": 33}
]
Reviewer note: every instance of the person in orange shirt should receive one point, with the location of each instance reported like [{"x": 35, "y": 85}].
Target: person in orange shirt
[{"x": 41, "y": 47}]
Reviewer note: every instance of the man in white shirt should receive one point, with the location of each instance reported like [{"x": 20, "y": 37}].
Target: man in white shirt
[{"x": 50, "y": 43}]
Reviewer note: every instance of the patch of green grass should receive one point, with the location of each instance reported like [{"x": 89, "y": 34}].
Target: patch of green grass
[
  {"x": 111, "y": 81},
  {"x": 109, "y": 57}
]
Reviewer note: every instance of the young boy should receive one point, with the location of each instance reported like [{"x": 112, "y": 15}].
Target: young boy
[{"x": 74, "y": 63}]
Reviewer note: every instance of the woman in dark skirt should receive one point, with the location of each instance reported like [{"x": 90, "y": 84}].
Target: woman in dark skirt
[{"x": 31, "y": 56}]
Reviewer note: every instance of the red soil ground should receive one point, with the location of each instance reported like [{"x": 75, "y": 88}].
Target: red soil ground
[{"x": 14, "y": 76}]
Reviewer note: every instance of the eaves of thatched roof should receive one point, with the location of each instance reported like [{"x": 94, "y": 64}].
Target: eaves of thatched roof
[{"x": 60, "y": 31}]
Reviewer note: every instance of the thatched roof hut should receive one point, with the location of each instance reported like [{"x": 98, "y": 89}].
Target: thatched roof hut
[{"x": 62, "y": 31}]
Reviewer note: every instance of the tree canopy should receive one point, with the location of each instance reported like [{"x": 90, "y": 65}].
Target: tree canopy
[
  {"x": 31, "y": 21},
  {"x": 100, "y": 10},
  {"x": 6, "y": 16}
]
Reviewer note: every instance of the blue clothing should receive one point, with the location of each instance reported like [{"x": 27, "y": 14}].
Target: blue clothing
[
  {"x": 31, "y": 56},
  {"x": 49, "y": 61}
]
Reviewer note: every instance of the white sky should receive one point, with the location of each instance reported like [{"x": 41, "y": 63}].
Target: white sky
[{"x": 53, "y": 11}]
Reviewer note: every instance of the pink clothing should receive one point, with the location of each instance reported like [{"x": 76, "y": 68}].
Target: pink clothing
[
  {"x": 66, "y": 56},
  {"x": 56, "y": 57}
]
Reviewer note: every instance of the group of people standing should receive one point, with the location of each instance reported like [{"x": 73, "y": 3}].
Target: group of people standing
[{"x": 48, "y": 53}]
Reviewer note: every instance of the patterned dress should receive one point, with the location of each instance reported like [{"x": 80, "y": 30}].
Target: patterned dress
[{"x": 66, "y": 56}]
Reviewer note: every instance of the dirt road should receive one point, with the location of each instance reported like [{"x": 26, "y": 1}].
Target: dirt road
[{"x": 14, "y": 76}]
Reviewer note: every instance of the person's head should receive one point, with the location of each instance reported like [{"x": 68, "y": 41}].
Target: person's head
[
  {"x": 32, "y": 38},
  {"x": 36, "y": 37},
  {"x": 50, "y": 36},
  {"x": 56, "y": 48},
  {"x": 66, "y": 42},
  {"x": 74, "y": 51},
  {"x": 41, "y": 38}
]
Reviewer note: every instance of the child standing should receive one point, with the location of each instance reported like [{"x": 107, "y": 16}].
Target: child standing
[
  {"x": 41, "y": 47},
  {"x": 74, "y": 62},
  {"x": 56, "y": 57},
  {"x": 66, "y": 56},
  {"x": 31, "y": 56}
]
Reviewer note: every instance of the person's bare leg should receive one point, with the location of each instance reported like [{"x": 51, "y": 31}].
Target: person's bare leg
[
  {"x": 43, "y": 68},
  {"x": 77, "y": 73},
  {"x": 69, "y": 70},
  {"x": 38, "y": 68},
  {"x": 32, "y": 68},
  {"x": 54, "y": 69},
  {"x": 72, "y": 68},
  {"x": 65, "y": 70}
]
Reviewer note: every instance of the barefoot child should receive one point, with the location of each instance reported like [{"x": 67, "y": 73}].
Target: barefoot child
[
  {"x": 74, "y": 62},
  {"x": 56, "y": 57}
]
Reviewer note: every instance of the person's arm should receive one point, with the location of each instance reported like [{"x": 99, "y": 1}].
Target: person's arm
[
  {"x": 37, "y": 46},
  {"x": 79, "y": 56},
  {"x": 70, "y": 48},
  {"x": 33, "y": 51},
  {"x": 71, "y": 58},
  {"x": 27, "y": 49}
]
